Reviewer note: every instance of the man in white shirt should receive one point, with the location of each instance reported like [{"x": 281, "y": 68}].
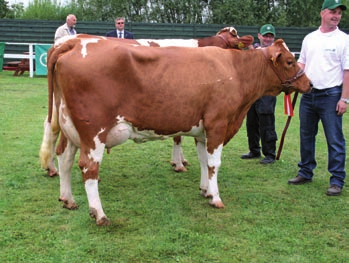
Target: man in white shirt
[
  {"x": 68, "y": 28},
  {"x": 120, "y": 32},
  {"x": 325, "y": 59}
]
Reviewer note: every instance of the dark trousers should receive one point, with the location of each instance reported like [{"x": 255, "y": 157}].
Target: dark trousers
[
  {"x": 320, "y": 105},
  {"x": 260, "y": 125}
]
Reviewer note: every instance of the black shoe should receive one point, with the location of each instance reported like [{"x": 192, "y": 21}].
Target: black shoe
[
  {"x": 267, "y": 160},
  {"x": 250, "y": 156},
  {"x": 299, "y": 180},
  {"x": 334, "y": 190}
]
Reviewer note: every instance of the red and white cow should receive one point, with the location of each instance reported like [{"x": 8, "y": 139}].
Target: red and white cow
[
  {"x": 226, "y": 38},
  {"x": 143, "y": 93}
]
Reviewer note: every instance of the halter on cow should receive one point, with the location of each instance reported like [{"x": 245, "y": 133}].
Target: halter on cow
[
  {"x": 144, "y": 93},
  {"x": 286, "y": 83}
]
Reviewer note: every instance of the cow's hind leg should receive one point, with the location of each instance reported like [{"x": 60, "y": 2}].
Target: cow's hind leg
[
  {"x": 201, "y": 149},
  {"x": 89, "y": 164},
  {"x": 65, "y": 163},
  {"x": 178, "y": 161}
]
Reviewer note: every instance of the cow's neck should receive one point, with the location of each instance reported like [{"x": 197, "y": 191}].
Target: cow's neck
[
  {"x": 256, "y": 76},
  {"x": 259, "y": 73},
  {"x": 217, "y": 41}
]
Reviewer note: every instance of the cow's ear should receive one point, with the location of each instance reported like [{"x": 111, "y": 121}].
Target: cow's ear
[{"x": 275, "y": 58}]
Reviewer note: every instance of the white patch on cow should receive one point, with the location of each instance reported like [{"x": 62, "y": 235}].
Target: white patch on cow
[
  {"x": 91, "y": 187},
  {"x": 61, "y": 40},
  {"x": 84, "y": 170},
  {"x": 202, "y": 155},
  {"x": 97, "y": 154},
  {"x": 170, "y": 42},
  {"x": 84, "y": 42},
  {"x": 215, "y": 158},
  {"x": 67, "y": 125}
]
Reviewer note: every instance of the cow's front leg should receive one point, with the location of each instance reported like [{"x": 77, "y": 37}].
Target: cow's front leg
[
  {"x": 89, "y": 164},
  {"x": 214, "y": 162},
  {"x": 65, "y": 163},
  {"x": 178, "y": 161},
  {"x": 209, "y": 164}
]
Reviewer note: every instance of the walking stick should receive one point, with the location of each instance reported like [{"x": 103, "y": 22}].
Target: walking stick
[{"x": 286, "y": 127}]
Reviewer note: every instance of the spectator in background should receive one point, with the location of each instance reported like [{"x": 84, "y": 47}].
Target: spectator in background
[
  {"x": 325, "y": 59},
  {"x": 67, "y": 29},
  {"x": 260, "y": 120},
  {"x": 120, "y": 32}
]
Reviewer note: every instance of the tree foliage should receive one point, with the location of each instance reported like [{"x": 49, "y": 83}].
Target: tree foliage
[
  {"x": 4, "y": 9},
  {"x": 296, "y": 13},
  {"x": 47, "y": 10}
]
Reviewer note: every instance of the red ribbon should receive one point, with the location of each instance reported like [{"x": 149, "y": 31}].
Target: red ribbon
[{"x": 288, "y": 109}]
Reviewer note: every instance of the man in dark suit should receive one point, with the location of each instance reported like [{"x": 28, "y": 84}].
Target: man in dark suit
[{"x": 120, "y": 32}]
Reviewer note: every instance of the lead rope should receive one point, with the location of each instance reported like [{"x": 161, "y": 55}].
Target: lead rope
[{"x": 286, "y": 127}]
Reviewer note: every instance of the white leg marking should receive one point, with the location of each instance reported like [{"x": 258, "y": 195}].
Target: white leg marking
[
  {"x": 214, "y": 161},
  {"x": 178, "y": 159},
  {"x": 94, "y": 201},
  {"x": 65, "y": 163},
  {"x": 202, "y": 155}
]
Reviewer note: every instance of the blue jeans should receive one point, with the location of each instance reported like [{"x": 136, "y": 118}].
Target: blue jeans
[{"x": 315, "y": 106}]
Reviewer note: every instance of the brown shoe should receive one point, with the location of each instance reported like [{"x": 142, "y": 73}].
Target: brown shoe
[
  {"x": 299, "y": 180},
  {"x": 334, "y": 190}
]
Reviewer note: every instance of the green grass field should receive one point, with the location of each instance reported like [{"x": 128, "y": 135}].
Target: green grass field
[{"x": 158, "y": 215}]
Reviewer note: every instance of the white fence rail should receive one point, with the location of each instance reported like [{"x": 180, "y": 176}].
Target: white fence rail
[{"x": 30, "y": 56}]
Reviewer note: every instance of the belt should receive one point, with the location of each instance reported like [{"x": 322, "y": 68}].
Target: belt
[{"x": 315, "y": 90}]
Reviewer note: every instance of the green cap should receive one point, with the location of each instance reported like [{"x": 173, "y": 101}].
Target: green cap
[
  {"x": 332, "y": 4},
  {"x": 268, "y": 28}
]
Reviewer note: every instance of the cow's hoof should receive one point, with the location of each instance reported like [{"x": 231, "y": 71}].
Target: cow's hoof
[
  {"x": 103, "y": 222},
  {"x": 93, "y": 213},
  {"x": 52, "y": 172},
  {"x": 68, "y": 205},
  {"x": 203, "y": 193},
  {"x": 185, "y": 163},
  {"x": 181, "y": 169},
  {"x": 217, "y": 204}
]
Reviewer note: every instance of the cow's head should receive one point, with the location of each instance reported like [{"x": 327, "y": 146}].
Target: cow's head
[
  {"x": 285, "y": 66},
  {"x": 230, "y": 36}
]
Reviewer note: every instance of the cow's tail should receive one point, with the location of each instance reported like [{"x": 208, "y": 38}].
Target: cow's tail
[
  {"x": 51, "y": 125},
  {"x": 47, "y": 148},
  {"x": 52, "y": 57}
]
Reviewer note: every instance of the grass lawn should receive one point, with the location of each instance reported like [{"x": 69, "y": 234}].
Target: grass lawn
[{"x": 158, "y": 215}]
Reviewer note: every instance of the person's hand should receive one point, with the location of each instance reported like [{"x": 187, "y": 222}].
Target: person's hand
[{"x": 341, "y": 107}]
